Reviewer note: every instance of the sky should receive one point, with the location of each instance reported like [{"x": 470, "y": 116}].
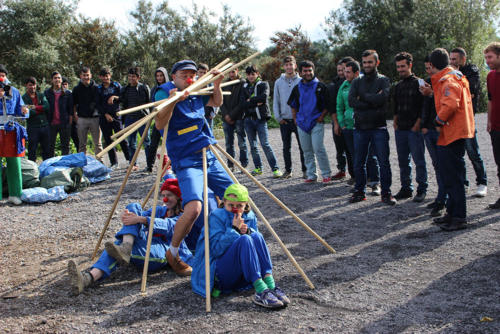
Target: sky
[{"x": 267, "y": 16}]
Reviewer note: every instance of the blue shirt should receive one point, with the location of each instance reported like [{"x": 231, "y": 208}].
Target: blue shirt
[
  {"x": 188, "y": 130},
  {"x": 14, "y": 104}
]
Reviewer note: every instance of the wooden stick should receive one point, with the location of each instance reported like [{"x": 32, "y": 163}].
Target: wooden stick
[
  {"x": 207, "y": 234},
  {"x": 120, "y": 191},
  {"x": 247, "y": 59},
  {"x": 153, "y": 187},
  {"x": 153, "y": 213},
  {"x": 207, "y": 92},
  {"x": 224, "y": 84},
  {"x": 274, "y": 198},
  {"x": 137, "y": 108},
  {"x": 119, "y": 133},
  {"x": 266, "y": 223}
]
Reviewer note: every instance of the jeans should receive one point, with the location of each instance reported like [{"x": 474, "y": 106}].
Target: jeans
[
  {"x": 256, "y": 128},
  {"x": 472, "y": 148},
  {"x": 229, "y": 130},
  {"x": 314, "y": 148},
  {"x": 286, "y": 136},
  {"x": 84, "y": 125},
  {"x": 38, "y": 135},
  {"x": 431, "y": 138},
  {"x": 379, "y": 139},
  {"x": 64, "y": 131},
  {"x": 132, "y": 140},
  {"x": 495, "y": 143},
  {"x": 451, "y": 166},
  {"x": 410, "y": 144},
  {"x": 372, "y": 168},
  {"x": 153, "y": 145},
  {"x": 107, "y": 129}
]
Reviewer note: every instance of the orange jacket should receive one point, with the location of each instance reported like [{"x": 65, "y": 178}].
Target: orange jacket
[{"x": 453, "y": 105}]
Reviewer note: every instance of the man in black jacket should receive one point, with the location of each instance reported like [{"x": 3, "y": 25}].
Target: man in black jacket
[
  {"x": 368, "y": 97},
  {"x": 232, "y": 119},
  {"x": 407, "y": 109},
  {"x": 60, "y": 114},
  {"x": 458, "y": 59},
  {"x": 85, "y": 111}
]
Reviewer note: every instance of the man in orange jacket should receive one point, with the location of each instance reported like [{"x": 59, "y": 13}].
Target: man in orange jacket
[{"x": 455, "y": 122}]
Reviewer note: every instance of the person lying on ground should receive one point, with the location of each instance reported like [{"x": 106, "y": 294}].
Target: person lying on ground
[{"x": 239, "y": 257}]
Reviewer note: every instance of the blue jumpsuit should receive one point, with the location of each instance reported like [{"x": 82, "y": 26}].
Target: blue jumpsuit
[{"x": 236, "y": 261}]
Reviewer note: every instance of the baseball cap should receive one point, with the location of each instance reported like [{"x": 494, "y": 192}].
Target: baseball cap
[{"x": 236, "y": 192}]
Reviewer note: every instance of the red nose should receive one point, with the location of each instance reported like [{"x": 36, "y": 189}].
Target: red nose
[
  {"x": 165, "y": 199},
  {"x": 1, "y": 79},
  {"x": 234, "y": 210},
  {"x": 189, "y": 81}
]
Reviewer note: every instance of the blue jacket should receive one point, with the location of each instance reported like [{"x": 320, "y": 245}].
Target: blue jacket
[
  {"x": 309, "y": 99},
  {"x": 222, "y": 236},
  {"x": 103, "y": 94}
]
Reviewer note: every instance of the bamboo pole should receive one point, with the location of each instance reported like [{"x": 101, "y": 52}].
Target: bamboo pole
[
  {"x": 120, "y": 191},
  {"x": 266, "y": 223},
  {"x": 153, "y": 213},
  {"x": 275, "y": 199},
  {"x": 207, "y": 234},
  {"x": 153, "y": 187},
  {"x": 119, "y": 133},
  {"x": 224, "y": 84}
]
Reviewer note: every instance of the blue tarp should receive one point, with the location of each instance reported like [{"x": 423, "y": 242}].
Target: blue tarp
[{"x": 42, "y": 195}]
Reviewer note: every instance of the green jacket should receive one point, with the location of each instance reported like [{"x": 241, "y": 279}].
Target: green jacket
[
  {"x": 345, "y": 113},
  {"x": 38, "y": 116}
]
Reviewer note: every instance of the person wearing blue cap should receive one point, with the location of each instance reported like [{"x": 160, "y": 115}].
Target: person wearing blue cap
[{"x": 188, "y": 134}]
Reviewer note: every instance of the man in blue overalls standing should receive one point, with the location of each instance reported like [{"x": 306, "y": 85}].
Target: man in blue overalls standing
[{"x": 188, "y": 134}]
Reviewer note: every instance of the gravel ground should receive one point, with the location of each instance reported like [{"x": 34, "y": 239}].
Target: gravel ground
[{"x": 393, "y": 270}]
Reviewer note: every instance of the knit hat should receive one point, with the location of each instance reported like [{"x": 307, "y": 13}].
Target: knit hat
[
  {"x": 236, "y": 192},
  {"x": 172, "y": 185}
]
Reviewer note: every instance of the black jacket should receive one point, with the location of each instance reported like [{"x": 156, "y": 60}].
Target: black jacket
[
  {"x": 428, "y": 111},
  {"x": 407, "y": 102},
  {"x": 231, "y": 105},
  {"x": 333, "y": 90},
  {"x": 471, "y": 72},
  {"x": 144, "y": 94},
  {"x": 368, "y": 97},
  {"x": 65, "y": 105},
  {"x": 262, "y": 96},
  {"x": 85, "y": 99}
]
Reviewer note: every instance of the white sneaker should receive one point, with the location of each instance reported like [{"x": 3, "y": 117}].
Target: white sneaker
[
  {"x": 15, "y": 200},
  {"x": 482, "y": 190}
]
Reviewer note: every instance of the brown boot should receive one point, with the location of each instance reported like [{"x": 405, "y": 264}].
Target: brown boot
[
  {"x": 78, "y": 280},
  {"x": 120, "y": 253},
  {"x": 179, "y": 266}
]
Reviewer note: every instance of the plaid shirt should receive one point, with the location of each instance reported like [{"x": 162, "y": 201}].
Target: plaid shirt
[{"x": 407, "y": 102}]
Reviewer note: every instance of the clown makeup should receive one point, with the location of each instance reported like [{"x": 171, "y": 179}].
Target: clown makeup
[
  {"x": 169, "y": 198},
  {"x": 234, "y": 206}
]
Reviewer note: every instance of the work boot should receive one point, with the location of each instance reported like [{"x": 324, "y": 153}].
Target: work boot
[
  {"x": 120, "y": 253},
  {"x": 79, "y": 280},
  {"x": 177, "y": 265}
]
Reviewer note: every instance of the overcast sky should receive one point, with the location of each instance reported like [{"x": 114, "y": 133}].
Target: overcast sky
[{"x": 267, "y": 16}]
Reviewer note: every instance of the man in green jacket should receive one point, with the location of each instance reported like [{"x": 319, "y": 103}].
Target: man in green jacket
[{"x": 37, "y": 125}]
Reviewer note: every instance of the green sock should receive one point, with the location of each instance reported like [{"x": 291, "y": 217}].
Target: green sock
[
  {"x": 259, "y": 285},
  {"x": 269, "y": 280}
]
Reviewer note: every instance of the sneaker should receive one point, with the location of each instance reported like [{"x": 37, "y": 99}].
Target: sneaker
[
  {"x": 113, "y": 166},
  {"x": 15, "y": 200},
  {"x": 280, "y": 294},
  {"x": 481, "y": 191},
  {"x": 403, "y": 194},
  {"x": 495, "y": 205},
  {"x": 277, "y": 173},
  {"x": 177, "y": 265},
  {"x": 389, "y": 199},
  {"x": 267, "y": 299},
  {"x": 419, "y": 197},
  {"x": 120, "y": 253},
  {"x": 148, "y": 170},
  {"x": 135, "y": 168},
  {"x": 437, "y": 210},
  {"x": 376, "y": 191},
  {"x": 327, "y": 180},
  {"x": 78, "y": 280},
  {"x": 309, "y": 180},
  {"x": 358, "y": 196},
  {"x": 304, "y": 175},
  {"x": 256, "y": 171},
  {"x": 442, "y": 220},
  {"x": 286, "y": 175},
  {"x": 454, "y": 225},
  {"x": 339, "y": 176},
  {"x": 351, "y": 181}
]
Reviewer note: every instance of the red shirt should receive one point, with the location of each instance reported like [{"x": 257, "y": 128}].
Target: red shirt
[
  {"x": 56, "y": 118},
  {"x": 493, "y": 83}
]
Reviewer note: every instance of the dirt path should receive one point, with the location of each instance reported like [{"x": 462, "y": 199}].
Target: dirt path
[{"x": 393, "y": 271}]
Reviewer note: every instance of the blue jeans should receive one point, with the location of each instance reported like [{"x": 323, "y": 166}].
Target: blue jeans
[
  {"x": 372, "y": 168},
  {"x": 379, "y": 139},
  {"x": 410, "y": 144},
  {"x": 314, "y": 148},
  {"x": 132, "y": 140},
  {"x": 286, "y": 136},
  {"x": 229, "y": 130},
  {"x": 472, "y": 148},
  {"x": 431, "y": 138},
  {"x": 452, "y": 167},
  {"x": 256, "y": 128}
]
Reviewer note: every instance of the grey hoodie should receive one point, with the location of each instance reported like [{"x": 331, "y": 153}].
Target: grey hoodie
[{"x": 282, "y": 90}]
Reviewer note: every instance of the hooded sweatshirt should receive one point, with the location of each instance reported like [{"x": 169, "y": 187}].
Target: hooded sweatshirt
[
  {"x": 282, "y": 89},
  {"x": 155, "y": 88}
]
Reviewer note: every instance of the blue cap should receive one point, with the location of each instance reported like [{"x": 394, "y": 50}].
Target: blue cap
[{"x": 185, "y": 64}]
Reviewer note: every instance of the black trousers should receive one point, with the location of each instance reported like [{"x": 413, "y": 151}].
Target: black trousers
[
  {"x": 495, "y": 143},
  {"x": 108, "y": 128}
]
